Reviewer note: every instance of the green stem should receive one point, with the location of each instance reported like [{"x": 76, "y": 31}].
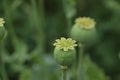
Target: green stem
[
  {"x": 39, "y": 19},
  {"x": 64, "y": 69},
  {"x": 63, "y": 75},
  {"x": 2, "y": 67},
  {"x": 68, "y": 19},
  {"x": 9, "y": 24},
  {"x": 80, "y": 74},
  {"x": 42, "y": 20},
  {"x": 69, "y": 24}
]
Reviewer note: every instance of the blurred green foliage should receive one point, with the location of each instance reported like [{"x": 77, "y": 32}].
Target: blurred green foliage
[{"x": 33, "y": 25}]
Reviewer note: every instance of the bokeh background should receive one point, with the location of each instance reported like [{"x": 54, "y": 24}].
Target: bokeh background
[{"x": 33, "y": 25}]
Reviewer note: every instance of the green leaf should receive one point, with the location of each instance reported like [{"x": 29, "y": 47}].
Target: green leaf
[
  {"x": 92, "y": 71},
  {"x": 26, "y": 75}
]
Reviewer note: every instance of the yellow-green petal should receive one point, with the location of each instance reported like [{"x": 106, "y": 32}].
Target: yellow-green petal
[{"x": 65, "y": 44}]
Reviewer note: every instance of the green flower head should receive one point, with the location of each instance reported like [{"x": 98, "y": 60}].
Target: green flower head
[
  {"x": 2, "y": 22},
  {"x": 65, "y": 44}
]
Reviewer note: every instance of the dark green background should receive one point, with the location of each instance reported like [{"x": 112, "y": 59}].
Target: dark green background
[{"x": 33, "y": 26}]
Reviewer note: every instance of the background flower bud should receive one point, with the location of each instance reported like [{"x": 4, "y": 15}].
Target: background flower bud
[
  {"x": 2, "y": 28},
  {"x": 2, "y": 32},
  {"x": 84, "y": 36},
  {"x": 84, "y": 31}
]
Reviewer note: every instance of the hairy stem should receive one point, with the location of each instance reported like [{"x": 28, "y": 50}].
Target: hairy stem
[
  {"x": 68, "y": 19},
  {"x": 64, "y": 73},
  {"x": 2, "y": 66},
  {"x": 80, "y": 73}
]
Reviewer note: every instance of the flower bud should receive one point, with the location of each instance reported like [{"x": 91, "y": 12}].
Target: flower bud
[
  {"x": 64, "y": 57},
  {"x": 64, "y": 52},
  {"x": 2, "y": 28},
  {"x": 84, "y": 30}
]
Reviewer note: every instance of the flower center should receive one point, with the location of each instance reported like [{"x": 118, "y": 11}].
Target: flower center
[
  {"x": 65, "y": 44},
  {"x": 85, "y": 22}
]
